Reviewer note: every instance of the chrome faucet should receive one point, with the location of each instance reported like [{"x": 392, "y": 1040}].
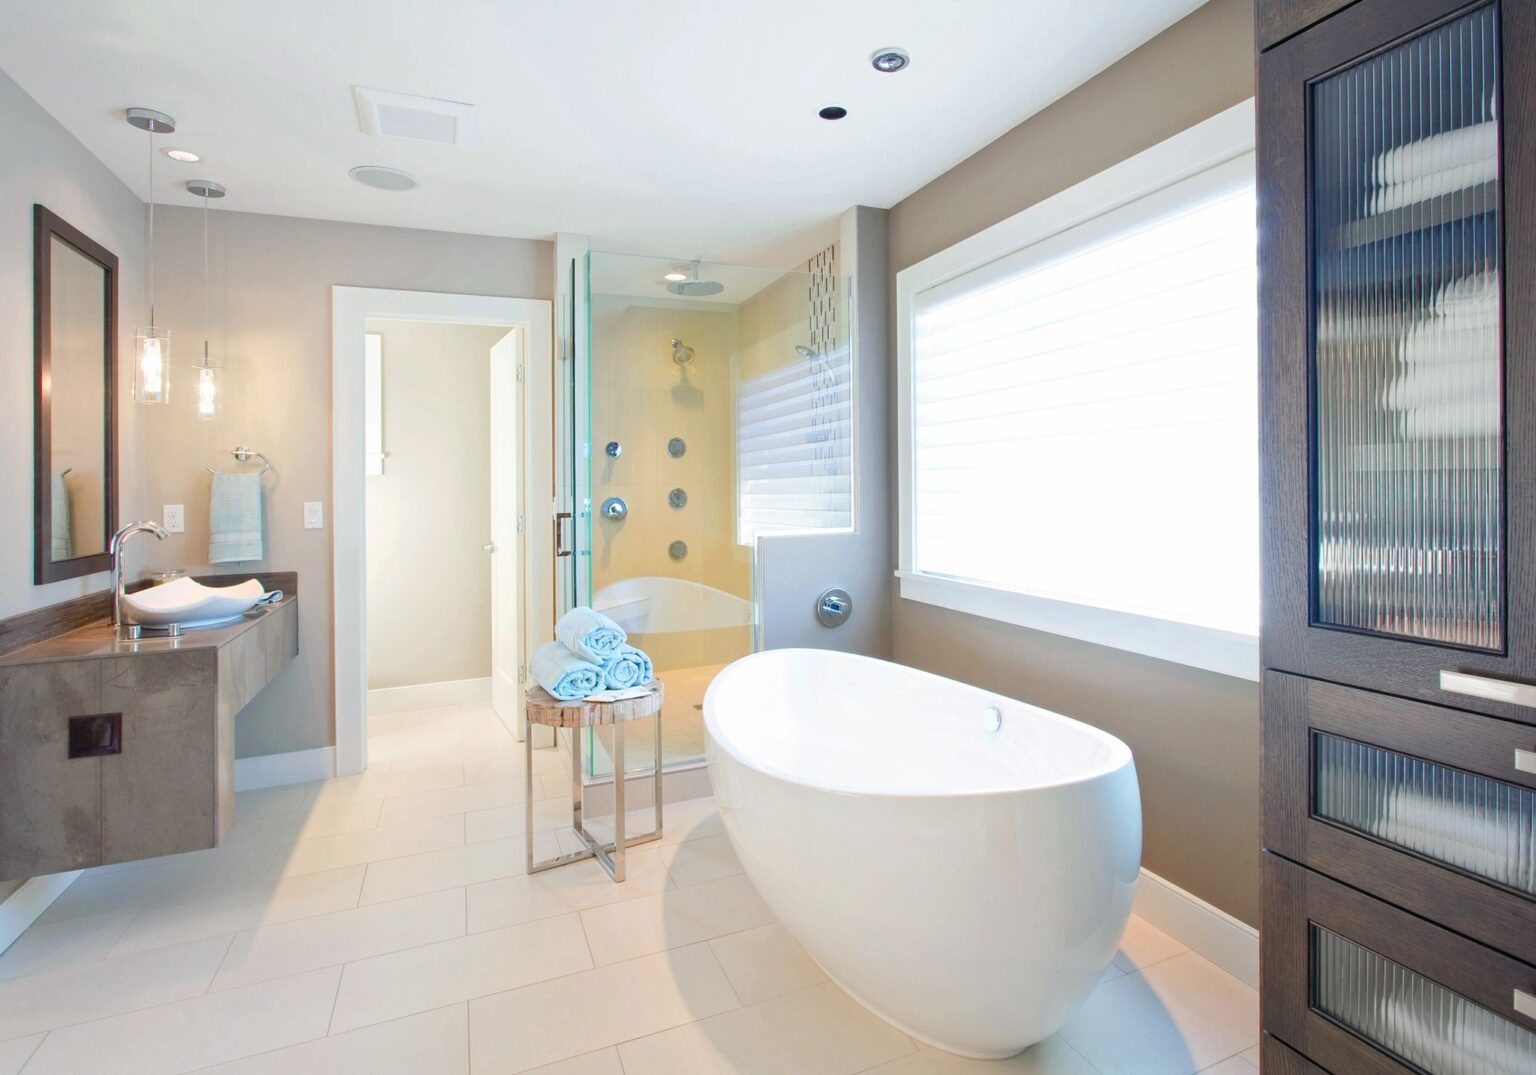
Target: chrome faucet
[{"x": 115, "y": 554}]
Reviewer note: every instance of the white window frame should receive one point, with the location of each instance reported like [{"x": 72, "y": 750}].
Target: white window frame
[{"x": 1227, "y": 137}]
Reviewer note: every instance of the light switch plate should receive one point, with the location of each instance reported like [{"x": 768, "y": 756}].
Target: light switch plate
[
  {"x": 174, "y": 518},
  {"x": 314, "y": 515}
]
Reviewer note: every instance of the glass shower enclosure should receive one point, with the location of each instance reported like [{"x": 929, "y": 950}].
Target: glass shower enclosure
[{"x": 712, "y": 405}]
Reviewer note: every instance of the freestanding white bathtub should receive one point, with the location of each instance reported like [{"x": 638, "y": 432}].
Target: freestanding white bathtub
[{"x": 965, "y": 880}]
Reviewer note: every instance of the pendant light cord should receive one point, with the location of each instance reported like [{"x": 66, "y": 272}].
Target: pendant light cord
[
  {"x": 149, "y": 240},
  {"x": 205, "y": 279}
]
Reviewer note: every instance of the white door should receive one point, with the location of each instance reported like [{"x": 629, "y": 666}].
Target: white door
[{"x": 505, "y": 545}]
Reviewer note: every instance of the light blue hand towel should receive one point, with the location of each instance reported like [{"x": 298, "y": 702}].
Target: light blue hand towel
[
  {"x": 590, "y": 635},
  {"x": 563, "y": 674},
  {"x": 627, "y": 668},
  {"x": 63, "y": 523},
  {"x": 234, "y": 518}
]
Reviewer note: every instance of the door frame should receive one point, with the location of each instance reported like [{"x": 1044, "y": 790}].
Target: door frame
[
  {"x": 508, "y": 509},
  {"x": 351, "y": 309}
]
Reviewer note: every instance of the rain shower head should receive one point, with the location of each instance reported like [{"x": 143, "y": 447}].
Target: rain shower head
[
  {"x": 693, "y": 287},
  {"x": 682, "y": 354}
]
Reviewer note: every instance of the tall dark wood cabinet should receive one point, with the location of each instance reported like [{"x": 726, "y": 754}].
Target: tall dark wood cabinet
[{"x": 1397, "y": 202}]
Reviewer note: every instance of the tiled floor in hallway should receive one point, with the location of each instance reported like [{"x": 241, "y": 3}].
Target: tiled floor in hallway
[{"x": 384, "y": 924}]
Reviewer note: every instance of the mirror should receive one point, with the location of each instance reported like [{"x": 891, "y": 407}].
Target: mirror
[{"x": 75, "y": 312}]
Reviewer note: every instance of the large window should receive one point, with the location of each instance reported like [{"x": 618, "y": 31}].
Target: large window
[{"x": 1080, "y": 413}]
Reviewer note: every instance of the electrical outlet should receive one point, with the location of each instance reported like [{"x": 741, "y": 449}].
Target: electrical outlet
[
  {"x": 314, "y": 515},
  {"x": 174, "y": 518}
]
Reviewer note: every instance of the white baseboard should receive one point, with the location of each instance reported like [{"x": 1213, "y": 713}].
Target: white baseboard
[
  {"x": 21, "y": 908},
  {"x": 274, "y": 770},
  {"x": 1206, "y": 930},
  {"x": 429, "y": 695},
  {"x": 677, "y": 785}
]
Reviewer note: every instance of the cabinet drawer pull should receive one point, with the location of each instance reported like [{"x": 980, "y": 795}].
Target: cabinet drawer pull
[
  {"x": 1495, "y": 690},
  {"x": 1525, "y": 1003}
]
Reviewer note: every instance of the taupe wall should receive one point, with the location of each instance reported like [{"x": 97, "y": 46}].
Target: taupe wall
[
  {"x": 1194, "y": 69},
  {"x": 429, "y": 513},
  {"x": 42, "y": 162},
  {"x": 1195, "y": 734},
  {"x": 271, "y": 326}
]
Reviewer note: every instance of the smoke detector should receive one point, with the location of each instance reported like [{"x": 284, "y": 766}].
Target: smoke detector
[{"x": 388, "y": 114}]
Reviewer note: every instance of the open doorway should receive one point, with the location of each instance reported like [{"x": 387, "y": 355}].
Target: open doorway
[
  {"x": 442, "y": 446},
  {"x": 441, "y": 507}
]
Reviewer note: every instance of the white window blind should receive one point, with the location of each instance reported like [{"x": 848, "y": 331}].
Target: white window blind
[
  {"x": 1084, "y": 415},
  {"x": 794, "y": 447}
]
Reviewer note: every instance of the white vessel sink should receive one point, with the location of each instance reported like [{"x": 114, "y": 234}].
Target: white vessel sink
[{"x": 185, "y": 603}]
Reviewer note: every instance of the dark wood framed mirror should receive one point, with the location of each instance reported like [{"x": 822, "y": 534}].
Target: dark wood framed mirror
[{"x": 75, "y": 451}]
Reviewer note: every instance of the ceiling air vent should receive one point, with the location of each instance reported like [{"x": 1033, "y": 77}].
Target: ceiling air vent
[{"x": 420, "y": 119}]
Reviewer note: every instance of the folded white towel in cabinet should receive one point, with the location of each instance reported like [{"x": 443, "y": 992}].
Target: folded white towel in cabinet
[{"x": 1465, "y": 145}]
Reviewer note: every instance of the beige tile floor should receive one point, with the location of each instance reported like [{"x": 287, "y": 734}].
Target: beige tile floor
[{"x": 373, "y": 924}]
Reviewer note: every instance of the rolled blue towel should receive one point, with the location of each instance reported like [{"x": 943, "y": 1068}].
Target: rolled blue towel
[
  {"x": 563, "y": 674},
  {"x": 590, "y": 635},
  {"x": 627, "y": 668}
]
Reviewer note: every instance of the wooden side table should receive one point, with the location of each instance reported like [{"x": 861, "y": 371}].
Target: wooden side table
[{"x": 543, "y": 708}]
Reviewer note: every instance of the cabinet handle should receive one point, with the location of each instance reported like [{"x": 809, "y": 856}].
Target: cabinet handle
[
  {"x": 1525, "y": 1003},
  {"x": 1495, "y": 690}
]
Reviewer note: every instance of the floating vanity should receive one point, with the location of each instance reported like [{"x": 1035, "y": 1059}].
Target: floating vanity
[{"x": 118, "y": 750}]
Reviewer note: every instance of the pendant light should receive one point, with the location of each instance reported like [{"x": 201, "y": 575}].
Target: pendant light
[
  {"x": 151, "y": 345},
  {"x": 210, "y": 387}
]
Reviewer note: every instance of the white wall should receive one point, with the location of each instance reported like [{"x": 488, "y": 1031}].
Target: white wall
[
  {"x": 429, "y": 513},
  {"x": 42, "y": 163}
]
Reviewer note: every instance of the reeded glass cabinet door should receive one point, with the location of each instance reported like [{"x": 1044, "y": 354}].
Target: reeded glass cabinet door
[
  {"x": 1407, "y": 356},
  {"x": 1480, "y": 826},
  {"x": 1412, "y": 1017},
  {"x": 1397, "y": 153}
]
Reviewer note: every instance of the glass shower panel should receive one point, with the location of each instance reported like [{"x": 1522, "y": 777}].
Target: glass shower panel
[
  {"x": 1410, "y": 1016},
  {"x": 719, "y": 403},
  {"x": 1407, "y": 377}
]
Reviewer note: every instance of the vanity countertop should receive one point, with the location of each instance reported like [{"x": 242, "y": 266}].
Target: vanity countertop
[{"x": 99, "y": 640}]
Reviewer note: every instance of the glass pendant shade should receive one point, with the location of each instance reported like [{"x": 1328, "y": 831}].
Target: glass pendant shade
[
  {"x": 151, "y": 365},
  {"x": 210, "y": 392}
]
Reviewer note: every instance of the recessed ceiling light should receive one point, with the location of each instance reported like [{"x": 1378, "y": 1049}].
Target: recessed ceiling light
[
  {"x": 833, "y": 112},
  {"x": 676, "y": 274},
  {"x": 186, "y": 156},
  {"x": 889, "y": 61},
  {"x": 382, "y": 178}
]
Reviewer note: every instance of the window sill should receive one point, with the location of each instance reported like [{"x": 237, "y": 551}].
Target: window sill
[{"x": 1207, "y": 648}]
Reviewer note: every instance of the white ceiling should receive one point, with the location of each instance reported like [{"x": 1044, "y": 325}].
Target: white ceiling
[{"x": 678, "y": 127}]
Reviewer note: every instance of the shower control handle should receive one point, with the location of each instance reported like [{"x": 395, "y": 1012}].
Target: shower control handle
[
  {"x": 615, "y": 508},
  {"x": 833, "y": 607},
  {"x": 613, "y": 449}
]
